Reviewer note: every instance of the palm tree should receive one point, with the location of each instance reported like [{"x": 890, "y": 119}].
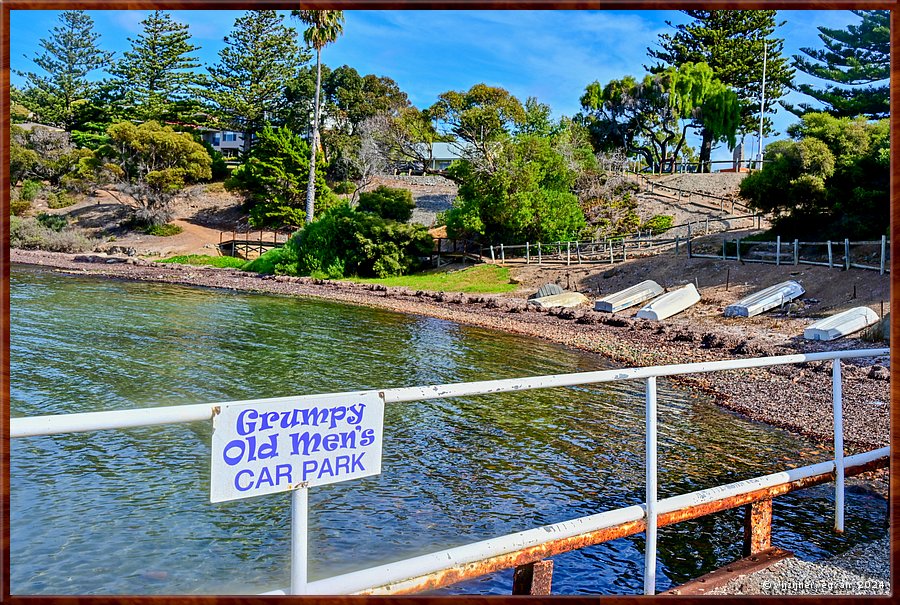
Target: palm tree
[{"x": 324, "y": 28}]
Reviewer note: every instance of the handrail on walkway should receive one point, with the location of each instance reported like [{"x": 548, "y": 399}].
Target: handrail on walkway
[{"x": 525, "y": 548}]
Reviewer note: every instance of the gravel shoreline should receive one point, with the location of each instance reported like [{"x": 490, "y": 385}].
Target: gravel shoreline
[{"x": 796, "y": 397}]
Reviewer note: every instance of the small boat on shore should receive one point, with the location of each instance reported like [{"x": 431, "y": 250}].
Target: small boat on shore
[
  {"x": 841, "y": 324},
  {"x": 566, "y": 299},
  {"x": 628, "y": 297},
  {"x": 762, "y": 301},
  {"x": 670, "y": 303}
]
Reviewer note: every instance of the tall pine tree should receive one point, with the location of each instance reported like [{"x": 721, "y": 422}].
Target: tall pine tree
[
  {"x": 731, "y": 42},
  {"x": 858, "y": 59},
  {"x": 248, "y": 84},
  {"x": 70, "y": 55},
  {"x": 157, "y": 73}
]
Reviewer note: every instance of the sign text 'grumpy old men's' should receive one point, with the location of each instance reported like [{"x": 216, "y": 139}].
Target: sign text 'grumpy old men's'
[{"x": 264, "y": 448}]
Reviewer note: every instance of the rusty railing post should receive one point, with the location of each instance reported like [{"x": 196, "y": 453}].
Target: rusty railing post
[
  {"x": 533, "y": 578},
  {"x": 757, "y": 527}
]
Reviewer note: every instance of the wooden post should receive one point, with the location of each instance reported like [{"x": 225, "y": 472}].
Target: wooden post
[
  {"x": 796, "y": 252},
  {"x": 527, "y": 253},
  {"x": 533, "y": 578},
  {"x": 624, "y": 250},
  {"x": 539, "y": 253},
  {"x": 738, "y": 248},
  {"x": 677, "y": 241},
  {"x": 757, "y": 527},
  {"x": 724, "y": 250},
  {"x": 438, "y": 264},
  {"x": 233, "y": 240},
  {"x": 883, "y": 248},
  {"x": 502, "y": 254},
  {"x": 612, "y": 260},
  {"x": 778, "y": 250},
  {"x": 689, "y": 240},
  {"x": 578, "y": 251},
  {"x": 707, "y": 225},
  {"x": 492, "y": 252},
  {"x": 830, "y": 261},
  {"x": 847, "y": 254},
  {"x": 568, "y": 253}
]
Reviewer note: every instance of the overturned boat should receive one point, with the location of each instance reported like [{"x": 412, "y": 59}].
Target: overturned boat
[
  {"x": 762, "y": 301},
  {"x": 628, "y": 297},
  {"x": 841, "y": 324},
  {"x": 566, "y": 299},
  {"x": 670, "y": 303}
]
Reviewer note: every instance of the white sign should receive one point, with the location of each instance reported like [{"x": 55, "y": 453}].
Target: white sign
[{"x": 265, "y": 448}]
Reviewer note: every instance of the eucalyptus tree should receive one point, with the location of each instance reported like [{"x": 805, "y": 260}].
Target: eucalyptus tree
[
  {"x": 324, "y": 28},
  {"x": 732, "y": 43},
  {"x": 71, "y": 54},
  {"x": 858, "y": 59},
  {"x": 158, "y": 71},
  {"x": 247, "y": 85}
]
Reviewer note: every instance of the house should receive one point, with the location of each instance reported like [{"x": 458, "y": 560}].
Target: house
[
  {"x": 444, "y": 154},
  {"x": 227, "y": 142}
]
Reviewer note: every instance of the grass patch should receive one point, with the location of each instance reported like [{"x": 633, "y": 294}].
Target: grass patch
[
  {"x": 223, "y": 262},
  {"x": 163, "y": 230},
  {"x": 480, "y": 278}
]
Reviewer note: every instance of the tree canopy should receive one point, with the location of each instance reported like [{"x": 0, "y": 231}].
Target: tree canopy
[
  {"x": 158, "y": 71},
  {"x": 70, "y": 55},
  {"x": 247, "y": 85},
  {"x": 858, "y": 60},
  {"x": 732, "y": 43}
]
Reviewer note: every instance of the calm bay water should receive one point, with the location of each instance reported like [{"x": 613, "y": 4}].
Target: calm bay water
[{"x": 116, "y": 512}]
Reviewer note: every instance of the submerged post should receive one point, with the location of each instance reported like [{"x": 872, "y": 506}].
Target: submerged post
[
  {"x": 837, "y": 406},
  {"x": 299, "y": 539},
  {"x": 650, "y": 463}
]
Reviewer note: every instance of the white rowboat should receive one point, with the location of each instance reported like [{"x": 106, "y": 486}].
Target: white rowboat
[
  {"x": 759, "y": 302},
  {"x": 566, "y": 299},
  {"x": 670, "y": 303},
  {"x": 841, "y": 324},
  {"x": 628, "y": 297}
]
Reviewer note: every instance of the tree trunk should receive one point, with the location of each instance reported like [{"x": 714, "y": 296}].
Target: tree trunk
[
  {"x": 311, "y": 186},
  {"x": 705, "y": 151}
]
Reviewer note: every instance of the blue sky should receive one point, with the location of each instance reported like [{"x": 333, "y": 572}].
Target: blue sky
[{"x": 551, "y": 55}]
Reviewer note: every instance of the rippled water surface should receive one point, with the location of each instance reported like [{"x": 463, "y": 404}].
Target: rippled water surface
[{"x": 116, "y": 512}]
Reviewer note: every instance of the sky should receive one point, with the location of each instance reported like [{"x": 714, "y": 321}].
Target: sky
[{"x": 551, "y": 55}]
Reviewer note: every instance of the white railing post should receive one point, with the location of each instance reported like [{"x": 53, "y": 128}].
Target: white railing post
[
  {"x": 837, "y": 407},
  {"x": 650, "y": 463},
  {"x": 299, "y": 539},
  {"x": 883, "y": 256}
]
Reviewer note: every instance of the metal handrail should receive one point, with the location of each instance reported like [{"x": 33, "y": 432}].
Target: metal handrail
[{"x": 392, "y": 576}]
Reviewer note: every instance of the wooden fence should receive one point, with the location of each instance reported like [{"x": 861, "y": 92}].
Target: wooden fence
[{"x": 871, "y": 255}]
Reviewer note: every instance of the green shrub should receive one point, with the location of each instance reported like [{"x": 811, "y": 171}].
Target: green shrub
[
  {"x": 54, "y": 222},
  {"x": 163, "y": 230},
  {"x": 344, "y": 187},
  {"x": 277, "y": 261},
  {"x": 345, "y": 242},
  {"x": 29, "y": 234},
  {"x": 659, "y": 223},
  {"x": 59, "y": 199},
  {"x": 219, "y": 169},
  {"x": 29, "y": 190},
  {"x": 18, "y": 206},
  {"x": 388, "y": 202}
]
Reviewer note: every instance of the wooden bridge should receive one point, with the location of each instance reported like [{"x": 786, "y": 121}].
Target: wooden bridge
[{"x": 251, "y": 244}]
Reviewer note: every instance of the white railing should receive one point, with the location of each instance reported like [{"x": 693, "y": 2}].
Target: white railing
[{"x": 395, "y": 577}]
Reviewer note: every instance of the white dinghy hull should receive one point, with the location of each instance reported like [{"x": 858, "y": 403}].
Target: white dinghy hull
[
  {"x": 628, "y": 297},
  {"x": 670, "y": 303},
  {"x": 841, "y": 324},
  {"x": 762, "y": 301}
]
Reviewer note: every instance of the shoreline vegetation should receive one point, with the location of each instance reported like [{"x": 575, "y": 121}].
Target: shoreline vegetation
[{"x": 795, "y": 397}]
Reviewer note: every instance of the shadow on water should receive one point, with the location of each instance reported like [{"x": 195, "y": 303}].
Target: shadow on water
[{"x": 128, "y": 512}]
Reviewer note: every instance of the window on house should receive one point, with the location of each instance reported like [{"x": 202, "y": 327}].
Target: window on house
[{"x": 229, "y": 136}]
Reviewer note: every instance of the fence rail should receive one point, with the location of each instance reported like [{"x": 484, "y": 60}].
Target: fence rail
[
  {"x": 832, "y": 254},
  {"x": 524, "y": 548}
]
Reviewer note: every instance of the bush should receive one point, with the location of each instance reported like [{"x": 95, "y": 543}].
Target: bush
[
  {"x": 163, "y": 230},
  {"x": 54, "y": 222},
  {"x": 659, "y": 223},
  {"x": 344, "y": 187},
  {"x": 18, "y": 206},
  {"x": 278, "y": 261},
  {"x": 29, "y": 234},
  {"x": 59, "y": 199},
  {"x": 388, "y": 202},
  {"x": 219, "y": 169},
  {"x": 29, "y": 190},
  {"x": 348, "y": 242}
]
